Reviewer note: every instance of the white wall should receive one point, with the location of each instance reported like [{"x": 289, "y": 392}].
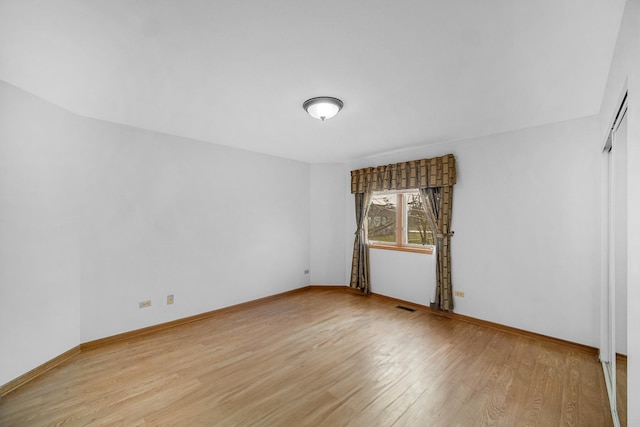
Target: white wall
[
  {"x": 40, "y": 167},
  {"x": 328, "y": 200},
  {"x": 96, "y": 217},
  {"x": 625, "y": 75},
  {"x": 408, "y": 276},
  {"x": 526, "y": 222},
  {"x": 213, "y": 226}
]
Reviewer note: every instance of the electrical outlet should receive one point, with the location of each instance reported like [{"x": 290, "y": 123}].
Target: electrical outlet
[
  {"x": 144, "y": 304},
  {"x": 459, "y": 294},
  {"x": 306, "y": 272},
  {"x": 169, "y": 299}
]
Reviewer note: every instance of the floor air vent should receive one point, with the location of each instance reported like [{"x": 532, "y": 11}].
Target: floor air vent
[{"x": 401, "y": 307}]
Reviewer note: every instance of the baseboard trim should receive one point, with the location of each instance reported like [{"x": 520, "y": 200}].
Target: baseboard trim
[
  {"x": 37, "y": 371},
  {"x": 183, "y": 321},
  {"x": 335, "y": 288},
  {"x": 498, "y": 326},
  {"x": 469, "y": 319},
  {"x": 90, "y": 345},
  {"x": 327, "y": 287}
]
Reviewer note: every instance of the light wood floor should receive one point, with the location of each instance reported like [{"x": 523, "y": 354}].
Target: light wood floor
[
  {"x": 320, "y": 358},
  {"x": 621, "y": 389}
]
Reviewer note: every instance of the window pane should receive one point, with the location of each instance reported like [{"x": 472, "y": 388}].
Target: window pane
[
  {"x": 418, "y": 227},
  {"x": 382, "y": 218}
]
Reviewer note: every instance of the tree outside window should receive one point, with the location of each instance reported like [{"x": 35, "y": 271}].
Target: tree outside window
[{"x": 398, "y": 220}]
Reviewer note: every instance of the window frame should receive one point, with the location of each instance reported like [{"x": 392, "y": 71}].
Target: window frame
[{"x": 401, "y": 225}]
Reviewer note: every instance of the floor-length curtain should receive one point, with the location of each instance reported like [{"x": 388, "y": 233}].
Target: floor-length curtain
[
  {"x": 360, "y": 262},
  {"x": 437, "y": 203},
  {"x": 436, "y": 176}
]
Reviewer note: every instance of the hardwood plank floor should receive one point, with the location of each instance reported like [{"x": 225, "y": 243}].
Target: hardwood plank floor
[
  {"x": 621, "y": 389},
  {"x": 319, "y": 358}
]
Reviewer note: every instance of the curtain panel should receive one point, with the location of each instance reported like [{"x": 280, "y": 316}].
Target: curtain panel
[
  {"x": 435, "y": 179},
  {"x": 437, "y": 205},
  {"x": 360, "y": 261}
]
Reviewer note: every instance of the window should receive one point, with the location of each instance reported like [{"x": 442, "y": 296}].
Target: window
[{"x": 397, "y": 221}]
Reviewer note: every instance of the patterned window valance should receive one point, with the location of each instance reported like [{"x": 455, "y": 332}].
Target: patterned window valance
[{"x": 425, "y": 173}]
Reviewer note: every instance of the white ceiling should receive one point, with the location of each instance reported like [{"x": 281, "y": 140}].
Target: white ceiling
[{"x": 236, "y": 72}]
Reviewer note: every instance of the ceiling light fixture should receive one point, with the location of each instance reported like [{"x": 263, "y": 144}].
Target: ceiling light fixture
[{"x": 322, "y": 107}]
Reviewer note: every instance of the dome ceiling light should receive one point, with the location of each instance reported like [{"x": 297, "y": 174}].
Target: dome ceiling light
[{"x": 322, "y": 107}]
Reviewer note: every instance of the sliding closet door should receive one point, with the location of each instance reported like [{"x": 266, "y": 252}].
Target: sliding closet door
[
  {"x": 621, "y": 260},
  {"x": 614, "y": 346}
]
